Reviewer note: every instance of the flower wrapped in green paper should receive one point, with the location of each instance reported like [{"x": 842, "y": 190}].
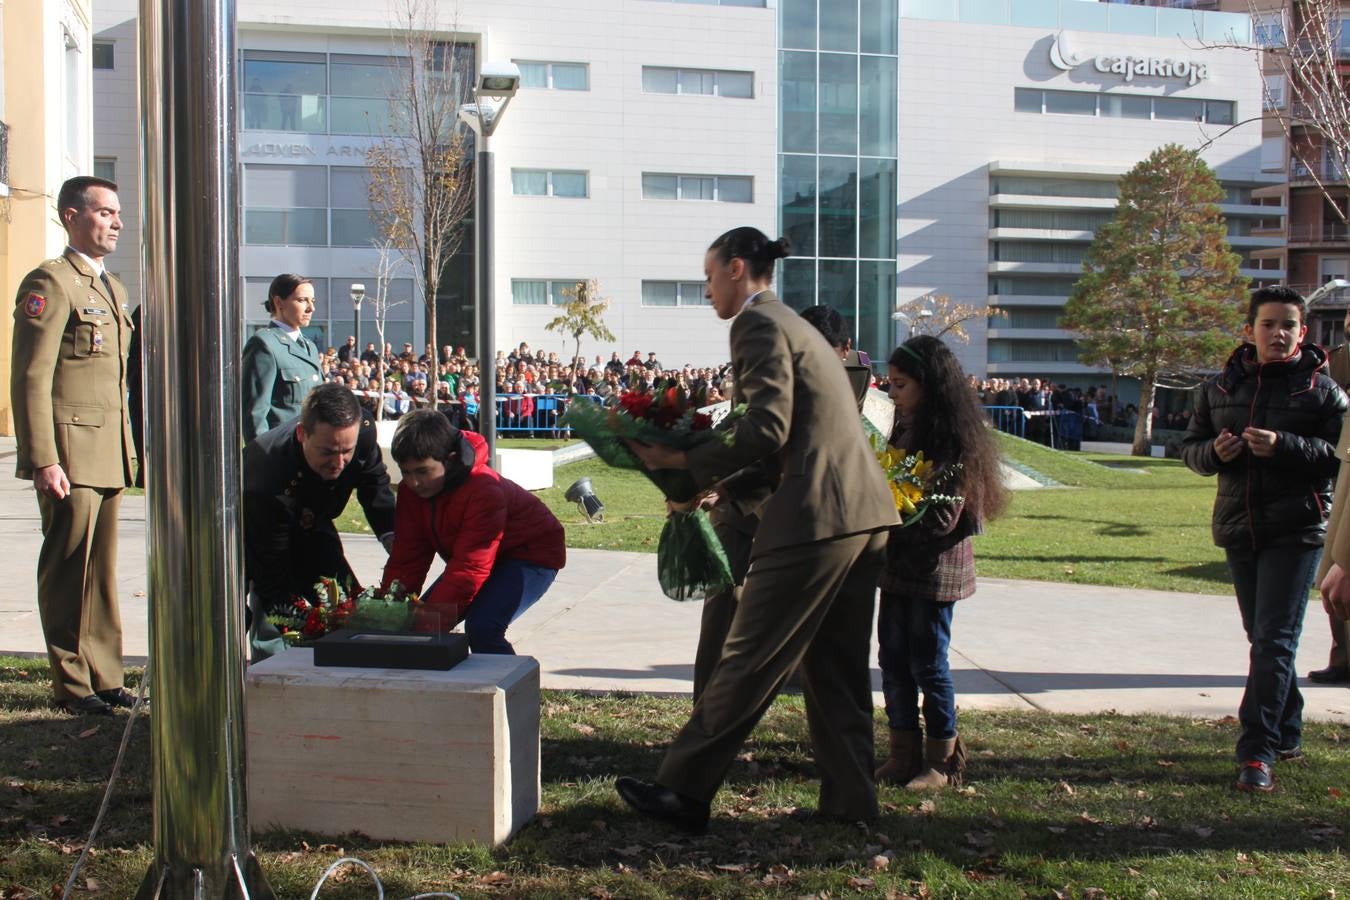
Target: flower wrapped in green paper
[{"x": 690, "y": 560}]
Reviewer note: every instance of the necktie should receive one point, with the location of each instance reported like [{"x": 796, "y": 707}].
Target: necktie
[{"x": 107, "y": 284}]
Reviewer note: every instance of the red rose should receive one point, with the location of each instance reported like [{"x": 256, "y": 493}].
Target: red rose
[
  {"x": 313, "y": 624},
  {"x": 702, "y": 422}
]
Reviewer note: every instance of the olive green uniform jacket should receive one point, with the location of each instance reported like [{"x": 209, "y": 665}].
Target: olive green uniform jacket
[
  {"x": 69, "y": 375},
  {"x": 277, "y": 376}
]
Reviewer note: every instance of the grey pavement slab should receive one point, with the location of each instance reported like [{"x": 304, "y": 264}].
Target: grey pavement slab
[{"x": 604, "y": 625}]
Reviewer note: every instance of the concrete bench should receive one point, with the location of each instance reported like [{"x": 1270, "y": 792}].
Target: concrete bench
[{"x": 402, "y": 755}]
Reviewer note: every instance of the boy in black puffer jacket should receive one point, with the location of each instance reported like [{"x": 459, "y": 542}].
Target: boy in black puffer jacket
[{"x": 1267, "y": 426}]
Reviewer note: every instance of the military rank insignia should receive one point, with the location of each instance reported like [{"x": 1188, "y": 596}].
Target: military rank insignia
[{"x": 34, "y": 305}]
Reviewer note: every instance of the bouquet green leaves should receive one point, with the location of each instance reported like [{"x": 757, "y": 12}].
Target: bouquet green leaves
[
  {"x": 370, "y": 610},
  {"x": 690, "y": 560}
]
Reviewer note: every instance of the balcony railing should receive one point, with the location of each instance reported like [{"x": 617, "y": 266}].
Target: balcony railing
[
  {"x": 1326, "y": 171},
  {"x": 1319, "y": 233}
]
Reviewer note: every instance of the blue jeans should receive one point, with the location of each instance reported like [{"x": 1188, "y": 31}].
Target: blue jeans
[
  {"x": 510, "y": 589},
  {"x": 914, "y": 636},
  {"x": 1272, "y": 587}
]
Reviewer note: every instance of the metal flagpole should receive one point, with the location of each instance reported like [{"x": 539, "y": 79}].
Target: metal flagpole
[{"x": 190, "y": 238}]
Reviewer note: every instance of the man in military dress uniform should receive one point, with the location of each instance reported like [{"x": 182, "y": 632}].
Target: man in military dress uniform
[
  {"x": 68, "y": 389},
  {"x": 298, "y": 478}
]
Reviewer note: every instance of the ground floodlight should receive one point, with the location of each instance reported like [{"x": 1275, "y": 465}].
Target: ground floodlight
[{"x": 583, "y": 495}]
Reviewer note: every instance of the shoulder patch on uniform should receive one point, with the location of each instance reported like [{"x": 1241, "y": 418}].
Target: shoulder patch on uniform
[{"x": 35, "y": 304}]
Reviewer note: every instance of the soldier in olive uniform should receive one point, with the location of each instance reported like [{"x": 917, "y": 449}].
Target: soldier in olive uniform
[
  {"x": 281, "y": 366},
  {"x": 68, "y": 390},
  {"x": 298, "y": 478}
]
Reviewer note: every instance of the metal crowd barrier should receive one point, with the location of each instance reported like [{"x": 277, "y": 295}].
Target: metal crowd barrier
[
  {"x": 537, "y": 413},
  {"x": 1008, "y": 419}
]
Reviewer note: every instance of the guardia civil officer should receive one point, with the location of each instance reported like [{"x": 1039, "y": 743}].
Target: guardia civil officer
[
  {"x": 68, "y": 388},
  {"x": 281, "y": 366},
  {"x": 298, "y": 478}
]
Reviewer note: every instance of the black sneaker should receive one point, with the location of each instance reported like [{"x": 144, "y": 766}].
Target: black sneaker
[
  {"x": 1254, "y": 775},
  {"x": 1290, "y": 754}
]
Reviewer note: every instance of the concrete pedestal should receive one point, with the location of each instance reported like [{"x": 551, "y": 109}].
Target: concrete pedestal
[{"x": 404, "y": 755}]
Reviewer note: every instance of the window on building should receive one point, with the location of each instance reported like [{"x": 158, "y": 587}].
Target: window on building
[
  {"x": 556, "y": 76},
  {"x": 285, "y": 91},
  {"x": 103, "y": 54},
  {"x": 1275, "y": 97},
  {"x": 548, "y": 183},
  {"x": 1268, "y": 29},
  {"x": 286, "y": 205},
  {"x": 673, "y": 293},
  {"x": 1034, "y": 186},
  {"x": 105, "y": 167},
  {"x": 1089, "y": 103},
  {"x": 542, "y": 291},
  {"x": 726, "y": 188},
  {"x": 709, "y": 82}
]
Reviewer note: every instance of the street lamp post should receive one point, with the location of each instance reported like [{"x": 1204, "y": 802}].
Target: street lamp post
[
  {"x": 358, "y": 294},
  {"x": 496, "y": 84},
  {"x": 1334, "y": 284}
]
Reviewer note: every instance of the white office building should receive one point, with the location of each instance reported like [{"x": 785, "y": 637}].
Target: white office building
[{"x": 959, "y": 147}]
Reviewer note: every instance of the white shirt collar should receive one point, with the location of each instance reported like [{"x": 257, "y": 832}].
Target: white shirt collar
[
  {"x": 286, "y": 330},
  {"x": 750, "y": 299},
  {"x": 95, "y": 264}
]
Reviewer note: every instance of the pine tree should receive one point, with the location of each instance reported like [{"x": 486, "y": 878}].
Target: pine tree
[{"x": 1160, "y": 295}]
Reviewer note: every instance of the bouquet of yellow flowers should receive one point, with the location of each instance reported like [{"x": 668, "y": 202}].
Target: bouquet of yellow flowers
[{"x": 913, "y": 480}]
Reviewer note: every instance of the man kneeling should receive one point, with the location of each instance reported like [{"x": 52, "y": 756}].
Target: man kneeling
[{"x": 502, "y": 547}]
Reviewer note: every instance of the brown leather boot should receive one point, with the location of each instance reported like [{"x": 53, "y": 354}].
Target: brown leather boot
[
  {"x": 906, "y": 759},
  {"x": 944, "y": 765}
]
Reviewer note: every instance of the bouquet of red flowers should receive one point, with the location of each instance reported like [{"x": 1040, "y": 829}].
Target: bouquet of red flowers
[
  {"x": 370, "y": 610},
  {"x": 689, "y": 558}
]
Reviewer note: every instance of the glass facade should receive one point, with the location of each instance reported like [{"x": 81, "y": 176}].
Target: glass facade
[{"x": 838, "y": 160}]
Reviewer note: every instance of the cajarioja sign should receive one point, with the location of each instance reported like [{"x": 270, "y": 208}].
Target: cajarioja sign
[{"x": 1126, "y": 66}]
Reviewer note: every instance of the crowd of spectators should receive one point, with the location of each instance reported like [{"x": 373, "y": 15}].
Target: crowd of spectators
[
  {"x": 1096, "y": 404},
  {"x": 406, "y": 380}
]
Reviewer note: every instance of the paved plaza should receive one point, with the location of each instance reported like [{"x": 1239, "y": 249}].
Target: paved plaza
[{"x": 605, "y": 625}]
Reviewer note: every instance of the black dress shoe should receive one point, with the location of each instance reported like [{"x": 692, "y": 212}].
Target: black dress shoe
[
  {"x": 1330, "y": 675},
  {"x": 92, "y": 705},
  {"x": 1255, "y": 775},
  {"x": 662, "y": 803},
  {"x": 121, "y": 698}
]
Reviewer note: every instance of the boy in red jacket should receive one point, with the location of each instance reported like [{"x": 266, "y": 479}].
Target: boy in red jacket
[{"x": 502, "y": 547}]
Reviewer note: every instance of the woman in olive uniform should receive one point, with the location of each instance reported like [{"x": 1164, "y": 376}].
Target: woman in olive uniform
[{"x": 281, "y": 366}]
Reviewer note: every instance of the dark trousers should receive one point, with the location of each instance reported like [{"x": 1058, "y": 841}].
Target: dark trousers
[
  {"x": 77, "y": 591},
  {"x": 914, "y": 637},
  {"x": 1272, "y": 587},
  {"x": 810, "y": 604},
  {"x": 511, "y": 588}
]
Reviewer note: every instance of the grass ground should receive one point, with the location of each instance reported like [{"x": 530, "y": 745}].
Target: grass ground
[
  {"x": 1054, "y": 806},
  {"x": 1118, "y": 521}
]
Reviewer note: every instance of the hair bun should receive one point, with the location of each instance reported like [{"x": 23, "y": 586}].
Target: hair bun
[{"x": 781, "y": 248}]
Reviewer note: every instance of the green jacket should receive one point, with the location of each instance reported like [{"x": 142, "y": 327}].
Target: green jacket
[
  {"x": 68, "y": 374},
  {"x": 277, "y": 375}
]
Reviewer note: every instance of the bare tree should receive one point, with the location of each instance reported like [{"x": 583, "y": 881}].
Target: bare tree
[
  {"x": 421, "y": 184},
  {"x": 939, "y": 315},
  {"x": 381, "y": 304},
  {"x": 1316, "y": 120}
]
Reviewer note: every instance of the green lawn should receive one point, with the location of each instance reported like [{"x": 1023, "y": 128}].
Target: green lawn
[
  {"x": 1117, "y": 520},
  {"x": 1054, "y": 806}
]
